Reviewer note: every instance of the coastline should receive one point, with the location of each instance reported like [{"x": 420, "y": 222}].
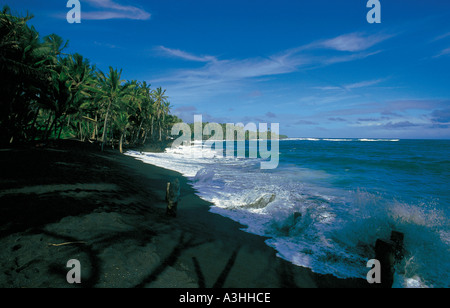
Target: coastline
[{"x": 108, "y": 211}]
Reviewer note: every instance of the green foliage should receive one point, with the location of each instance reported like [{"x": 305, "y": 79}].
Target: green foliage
[
  {"x": 236, "y": 132},
  {"x": 49, "y": 94}
]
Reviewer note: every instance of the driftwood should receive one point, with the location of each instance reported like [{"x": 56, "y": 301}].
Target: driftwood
[
  {"x": 65, "y": 244},
  {"x": 172, "y": 197},
  {"x": 388, "y": 253}
]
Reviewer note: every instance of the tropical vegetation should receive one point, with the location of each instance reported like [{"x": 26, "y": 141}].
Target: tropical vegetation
[
  {"x": 48, "y": 94},
  {"x": 229, "y": 131}
]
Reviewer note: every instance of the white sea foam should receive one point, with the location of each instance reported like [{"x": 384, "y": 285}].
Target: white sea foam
[
  {"x": 302, "y": 139},
  {"x": 325, "y": 229},
  {"x": 379, "y": 140},
  {"x": 341, "y": 139},
  {"x": 338, "y": 140}
]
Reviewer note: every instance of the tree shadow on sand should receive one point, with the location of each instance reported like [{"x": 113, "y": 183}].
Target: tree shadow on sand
[
  {"x": 220, "y": 282},
  {"x": 91, "y": 253},
  {"x": 93, "y": 248},
  {"x": 182, "y": 245}
]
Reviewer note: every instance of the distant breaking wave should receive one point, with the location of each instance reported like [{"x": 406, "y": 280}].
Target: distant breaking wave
[{"x": 341, "y": 140}]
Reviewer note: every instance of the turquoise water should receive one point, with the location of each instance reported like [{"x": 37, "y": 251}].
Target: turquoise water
[
  {"x": 329, "y": 200},
  {"x": 385, "y": 185},
  {"x": 409, "y": 170}
]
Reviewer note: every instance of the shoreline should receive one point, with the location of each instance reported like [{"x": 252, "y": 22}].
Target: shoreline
[{"x": 110, "y": 208}]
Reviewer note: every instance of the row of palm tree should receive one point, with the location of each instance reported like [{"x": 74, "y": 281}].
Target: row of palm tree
[{"x": 48, "y": 94}]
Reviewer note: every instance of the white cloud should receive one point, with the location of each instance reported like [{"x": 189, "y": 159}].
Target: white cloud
[
  {"x": 284, "y": 62},
  {"x": 218, "y": 76},
  {"x": 185, "y": 55},
  {"x": 357, "y": 85},
  {"x": 216, "y": 70},
  {"x": 114, "y": 11},
  {"x": 352, "y": 42}
]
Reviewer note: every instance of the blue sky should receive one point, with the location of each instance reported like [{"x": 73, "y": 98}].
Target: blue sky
[{"x": 316, "y": 67}]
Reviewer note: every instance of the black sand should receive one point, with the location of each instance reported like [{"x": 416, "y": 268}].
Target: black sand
[{"x": 108, "y": 211}]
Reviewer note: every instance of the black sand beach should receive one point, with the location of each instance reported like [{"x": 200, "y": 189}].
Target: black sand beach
[{"x": 71, "y": 201}]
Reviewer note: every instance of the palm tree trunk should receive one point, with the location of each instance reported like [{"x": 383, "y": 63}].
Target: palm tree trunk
[
  {"x": 47, "y": 126},
  {"x": 145, "y": 137},
  {"x": 81, "y": 132},
  {"x": 151, "y": 130},
  {"x": 120, "y": 143},
  {"x": 56, "y": 127},
  {"x": 47, "y": 134},
  {"x": 94, "y": 132},
  {"x": 111, "y": 139},
  {"x": 61, "y": 125},
  {"x": 33, "y": 126},
  {"x": 105, "y": 125},
  {"x": 138, "y": 132},
  {"x": 122, "y": 136}
]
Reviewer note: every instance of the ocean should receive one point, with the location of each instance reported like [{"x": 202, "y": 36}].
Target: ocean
[{"x": 329, "y": 200}]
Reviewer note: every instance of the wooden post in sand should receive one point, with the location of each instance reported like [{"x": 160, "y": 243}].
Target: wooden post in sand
[
  {"x": 172, "y": 198},
  {"x": 388, "y": 252}
]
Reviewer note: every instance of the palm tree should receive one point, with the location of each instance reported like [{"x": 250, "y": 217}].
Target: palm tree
[
  {"x": 143, "y": 112},
  {"x": 20, "y": 52},
  {"x": 166, "y": 111},
  {"x": 46, "y": 90},
  {"x": 160, "y": 100},
  {"x": 111, "y": 93},
  {"x": 171, "y": 120},
  {"x": 21, "y": 60},
  {"x": 126, "y": 114},
  {"x": 56, "y": 45},
  {"x": 135, "y": 98},
  {"x": 81, "y": 84},
  {"x": 122, "y": 123}
]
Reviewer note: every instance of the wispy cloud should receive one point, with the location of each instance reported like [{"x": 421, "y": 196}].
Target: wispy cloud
[
  {"x": 222, "y": 74},
  {"x": 441, "y": 118},
  {"x": 185, "y": 55},
  {"x": 403, "y": 115},
  {"x": 399, "y": 125},
  {"x": 444, "y": 52},
  {"x": 305, "y": 122},
  {"x": 352, "y": 42},
  {"x": 357, "y": 85},
  {"x": 337, "y": 120},
  {"x": 412, "y": 116},
  {"x": 271, "y": 115},
  {"x": 443, "y": 37},
  {"x": 416, "y": 104},
  {"x": 114, "y": 10},
  {"x": 106, "y": 45},
  {"x": 218, "y": 76},
  {"x": 440, "y": 37}
]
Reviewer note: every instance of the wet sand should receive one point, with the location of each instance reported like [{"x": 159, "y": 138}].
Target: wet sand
[{"x": 107, "y": 210}]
